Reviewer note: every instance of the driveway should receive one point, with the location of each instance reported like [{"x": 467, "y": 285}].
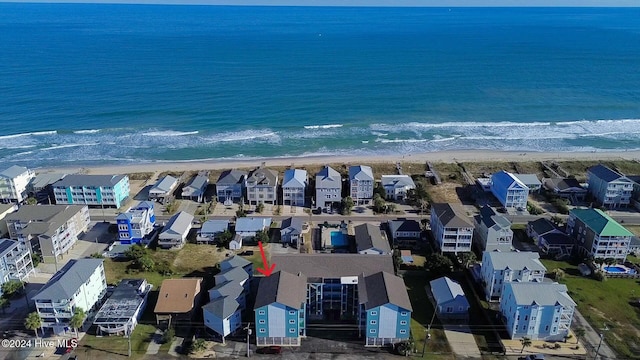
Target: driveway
[{"x": 462, "y": 341}]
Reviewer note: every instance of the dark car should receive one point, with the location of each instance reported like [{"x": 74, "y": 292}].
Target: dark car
[
  {"x": 270, "y": 350},
  {"x": 533, "y": 357}
]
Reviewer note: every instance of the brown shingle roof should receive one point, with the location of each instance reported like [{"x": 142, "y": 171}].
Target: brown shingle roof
[
  {"x": 177, "y": 295},
  {"x": 451, "y": 215},
  {"x": 333, "y": 265}
]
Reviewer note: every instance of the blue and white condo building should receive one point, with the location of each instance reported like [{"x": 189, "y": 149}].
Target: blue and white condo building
[
  {"x": 538, "y": 311},
  {"x": 92, "y": 190},
  {"x": 135, "y": 224}
]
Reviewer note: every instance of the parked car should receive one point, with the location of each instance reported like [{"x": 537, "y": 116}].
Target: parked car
[
  {"x": 533, "y": 357},
  {"x": 272, "y": 350}
]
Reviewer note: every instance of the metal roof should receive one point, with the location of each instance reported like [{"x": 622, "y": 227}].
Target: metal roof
[
  {"x": 214, "y": 226},
  {"x": 383, "y": 288},
  {"x": 369, "y": 236},
  {"x": 504, "y": 180},
  {"x": 231, "y": 177},
  {"x": 13, "y": 171},
  {"x": 6, "y": 246},
  {"x": 249, "y": 224},
  {"x": 451, "y": 215},
  {"x": 197, "y": 185},
  {"x": 444, "y": 290},
  {"x": 515, "y": 260},
  {"x": 293, "y": 224},
  {"x": 44, "y": 179},
  {"x": 332, "y": 265},
  {"x": 222, "y": 307},
  {"x": 398, "y": 180},
  {"x": 164, "y": 185},
  {"x": 89, "y": 180},
  {"x": 282, "y": 287},
  {"x": 490, "y": 218},
  {"x": 601, "y": 223},
  {"x": 179, "y": 224},
  {"x": 360, "y": 172},
  {"x": 528, "y": 179},
  {"x": 294, "y": 178},
  {"x": 542, "y": 294},
  {"x": 66, "y": 282},
  {"x": 542, "y": 226},
  {"x": 604, "y": 173}
]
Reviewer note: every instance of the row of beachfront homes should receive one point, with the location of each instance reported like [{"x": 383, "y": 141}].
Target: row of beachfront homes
[
  {"x": 589, "y": 232},
  {"x": 531, "y": 306},
  {"x": 358, "y": 289}
]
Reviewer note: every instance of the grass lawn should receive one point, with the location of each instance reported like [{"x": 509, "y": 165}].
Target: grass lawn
[
  {"x": 437, "y": 347},
  {"x": 116, "y": 346},
  {"x": 606, "y": 302}
]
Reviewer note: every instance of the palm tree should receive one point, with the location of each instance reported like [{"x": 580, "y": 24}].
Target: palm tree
[
  {"x": 33, "y": 322},
  {"x": 4, "y": 303},
  {"x": 526, "y": 342},
  {"x": 77, "y": 319}
]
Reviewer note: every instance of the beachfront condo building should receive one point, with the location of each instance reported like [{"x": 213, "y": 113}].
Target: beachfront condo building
[
  {"x": 92, "y": 190},
  {"x": 15, "y": 261},
  {"x": 609, "y": 188},
  {"x": 14, "y": 182},
  {"x": 80, "y": 283},
  {"x": 136, "y": 223},
  {"x": 499, "y": 268},
  {"x": 492, "y": 230},
  {"x": 328, "y": 188},
  {"x": 49, "y": 230},
  {"x": 230, "y": 186},
  {"x": 538, "y": 311},
  {"x": 361, "y": 183},
  {"x": 451, "y": 227},
  {"x": 294, "y": 186},
  {"x": 509, "y": 190},
  {"x": 598, "y": 235},
  {"x": 262, "y": 186}
]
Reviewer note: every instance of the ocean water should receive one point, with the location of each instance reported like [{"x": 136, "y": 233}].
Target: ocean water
[{"x": 121, "y": 83}]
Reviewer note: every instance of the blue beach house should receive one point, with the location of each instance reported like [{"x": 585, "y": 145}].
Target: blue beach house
[
  {"x": 385, "y": 309},
  {"x": 449, "y": 299},
  {"x": 509, "y": 190},
  {"x": 538, "y": 311},
  {"x": 136, "y": 223},
  {"x": 280, "y": 309}
]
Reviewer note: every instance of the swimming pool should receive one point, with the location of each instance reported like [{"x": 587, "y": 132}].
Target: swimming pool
[
  {"x": 338, "y": 239},
  {"x": 618, "y": 269}
]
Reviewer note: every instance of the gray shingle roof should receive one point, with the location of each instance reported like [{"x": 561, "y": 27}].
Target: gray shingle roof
[
  {"x": 66, "y": 282},
  {"x": 451, "y": 215},
  {"x": 360, "y": 172},
  {"x": 397, "y": 180},
  {"x": 328, "y": 178},
  {"x": 89, "y": 180},
  {"x": 13, "y": 171},
  {"x": 227, "y": 288},
  {"x": 604, "y": 173},
  {"x": 369, "y": 236},
  {"x": 404, "y": 225},
  {"x": 563, "y": 184},
  {"x": 294, "y": 223},
  {"x": 236, "y": 274},
  {"x": 165, "y": 184},
  {"x": 332, "y": 265},
  {"x": 234, "y": 261},
  {"x": 222, "y": 307},
  {"x": 197, "y": 185},
  {"x": 262, "y": 176},
  {"x": 445, "y": 290},
  {"x": 543, "y": 294},
  {"x": 44, "y": 179},
  {"x": 559, "y": 239},
  {"x": 43, "y": 219},
  {"x": 516, "y": 260},
  {"x": 542, "y": 226},
  {"x": 490, "y": 218},
  {"x": 383, "y": 288},
  {"x": 231, "y": 177},
  {"x": 282, "y": 287}
]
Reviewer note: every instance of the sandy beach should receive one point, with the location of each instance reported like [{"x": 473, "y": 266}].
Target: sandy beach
[{"x": 442, "y": 156}]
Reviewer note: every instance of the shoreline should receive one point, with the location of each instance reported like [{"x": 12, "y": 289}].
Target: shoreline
[{"x": 436, "y": 157}]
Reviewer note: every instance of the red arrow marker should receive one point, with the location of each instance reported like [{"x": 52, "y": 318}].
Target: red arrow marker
[{"x": 267, "y": 270}]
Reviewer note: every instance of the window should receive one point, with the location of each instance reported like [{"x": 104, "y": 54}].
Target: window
[
  {"x": 526, "y": 317},
  {"x": 373, "y": 313},
  {"x": 263, "y": 331},
  {"x": 403, "y": 331},
  {"x": 292, "y": 331},
  {"x": 372, "y": 331},
  {"x": 403, "y": 322},
  {"x": 260, "y": 312},
  {"x": 373, "y": 322},
  {"x": 261, "y": 321},
  {"x": 292, "y": 321},
  {"x": 404, "y": 313},
  {"x": 546, "y": 328}
]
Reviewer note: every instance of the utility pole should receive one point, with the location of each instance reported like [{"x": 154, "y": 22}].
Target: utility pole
[
  {"x": 428, "y": 333},
  {"x": 129, "y": 338},
  {"x": 600, "y": 343},
  {"x": 249, "y": 332}
]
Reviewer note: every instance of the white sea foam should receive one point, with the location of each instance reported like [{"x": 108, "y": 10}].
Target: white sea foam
[
  {"x": 169, "y": 133},
  {"x": 65, "y": 146},
  {"x": 37, "y": 133},
  {"x": 91, "y": 131},
  {"x": 329, "y": 126},
  {"x": 246, "y": 135}
]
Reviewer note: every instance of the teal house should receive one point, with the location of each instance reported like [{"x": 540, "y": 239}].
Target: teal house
[
  {"x": 92, "y": 190},
  {"x": 280, "y": 309},
  {"x": 385, "y": 309}
]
